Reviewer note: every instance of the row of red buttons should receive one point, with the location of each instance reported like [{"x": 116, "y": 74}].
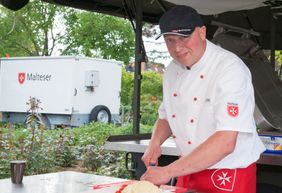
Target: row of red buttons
[
  {"x": 174, "y": 137},
  {"x": 195, "y": 98},
  {"x": 192, "y": 120}
]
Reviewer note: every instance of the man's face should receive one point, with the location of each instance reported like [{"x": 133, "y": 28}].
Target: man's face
[{"x": 187, "y": 50}]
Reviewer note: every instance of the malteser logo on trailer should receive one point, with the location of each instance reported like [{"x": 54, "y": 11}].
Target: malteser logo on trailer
[{"x": 23, "y": 77}]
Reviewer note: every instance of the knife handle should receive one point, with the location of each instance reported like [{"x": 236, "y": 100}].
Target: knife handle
[{"x": 152, "y": 164}]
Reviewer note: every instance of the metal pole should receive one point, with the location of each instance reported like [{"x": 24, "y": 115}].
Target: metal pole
[
  {"x": 272, "y": 41},
  {"x": 122, "y": 115},
  {"x": 137, "y": 71}
]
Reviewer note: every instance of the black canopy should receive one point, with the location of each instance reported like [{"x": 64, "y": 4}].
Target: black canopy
[{"x": 256, "y": 15}]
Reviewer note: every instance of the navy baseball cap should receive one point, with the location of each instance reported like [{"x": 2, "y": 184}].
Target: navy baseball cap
[{"x": 180, "y": 20}]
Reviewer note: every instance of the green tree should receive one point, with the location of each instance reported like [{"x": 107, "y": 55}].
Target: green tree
[
  {"x": 40, "y": 29},
  {"x": 99, "y": 35},
  {"x": 278, "y": 61},
  {"x": 31, "y": 31},
  {"x": 150, "y": 96}
]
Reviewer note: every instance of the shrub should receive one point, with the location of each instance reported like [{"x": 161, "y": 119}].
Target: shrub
[
  {"x": 53, "y": 150},
  {"x": 150, "y": 96}
]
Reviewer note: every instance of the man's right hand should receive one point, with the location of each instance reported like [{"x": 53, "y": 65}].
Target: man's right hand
[
  {"x": 161, "y": 132},
  {"x": 151, "y": 155}
]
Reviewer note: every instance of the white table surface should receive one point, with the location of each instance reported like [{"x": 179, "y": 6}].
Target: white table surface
[{"x": 61, "y": 182}]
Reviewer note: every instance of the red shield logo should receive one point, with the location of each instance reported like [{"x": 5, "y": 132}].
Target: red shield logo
[
  {"x": 224, "y": 179},
  {"x": 21, "y": 77},
  {"x": 233, "y": 110}
]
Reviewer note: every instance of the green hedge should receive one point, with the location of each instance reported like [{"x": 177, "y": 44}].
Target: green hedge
[
  {"x": 54, "y": 150},
  {"x": 150, "y": 96}
]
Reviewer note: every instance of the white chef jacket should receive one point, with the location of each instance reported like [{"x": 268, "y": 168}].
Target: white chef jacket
[{"x": 216, "y": 94}]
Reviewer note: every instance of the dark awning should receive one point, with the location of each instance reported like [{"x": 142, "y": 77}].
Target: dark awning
[{"x": 255, "y": 15}]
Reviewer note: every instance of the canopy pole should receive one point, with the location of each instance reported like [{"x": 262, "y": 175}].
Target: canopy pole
[
  {"x": 137, "y": 71},
  {"x": 272, "y": 40}
]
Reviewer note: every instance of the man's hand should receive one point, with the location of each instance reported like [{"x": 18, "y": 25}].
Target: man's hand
[
  {"x": 156, "y": 175},
  {"x": 151, "y": 155}
]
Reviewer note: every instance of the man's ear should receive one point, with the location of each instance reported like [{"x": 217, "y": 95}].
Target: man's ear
[{"x": 203, "y": 32}]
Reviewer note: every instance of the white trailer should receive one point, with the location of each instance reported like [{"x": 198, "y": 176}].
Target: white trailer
[{"x": 72, "y": 90}]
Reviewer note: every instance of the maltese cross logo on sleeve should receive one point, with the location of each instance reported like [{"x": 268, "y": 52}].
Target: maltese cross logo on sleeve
[
  {"x": 232, "y": 109},
  {"x": 224, "y": 179}
]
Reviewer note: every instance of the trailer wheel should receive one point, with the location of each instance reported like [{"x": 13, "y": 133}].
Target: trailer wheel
[{"x": 100, "y": 114}]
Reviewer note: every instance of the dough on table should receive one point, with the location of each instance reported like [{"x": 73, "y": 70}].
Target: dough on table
[{"x": 141, "y": 187}]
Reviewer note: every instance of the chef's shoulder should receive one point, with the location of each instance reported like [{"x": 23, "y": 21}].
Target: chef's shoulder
[{"x": 229, "y": 63}]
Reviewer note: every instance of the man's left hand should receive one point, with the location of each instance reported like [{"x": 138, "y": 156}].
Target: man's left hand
[{"x": 156, "y": 175}]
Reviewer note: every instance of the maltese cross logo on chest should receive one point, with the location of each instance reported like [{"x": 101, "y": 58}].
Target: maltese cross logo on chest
[
  {"x": 224, "y": 179},
  {"x": 232, "y": 109}
]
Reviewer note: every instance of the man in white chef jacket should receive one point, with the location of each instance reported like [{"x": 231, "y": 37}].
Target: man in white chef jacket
[{"x": 208, "y": 104}]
